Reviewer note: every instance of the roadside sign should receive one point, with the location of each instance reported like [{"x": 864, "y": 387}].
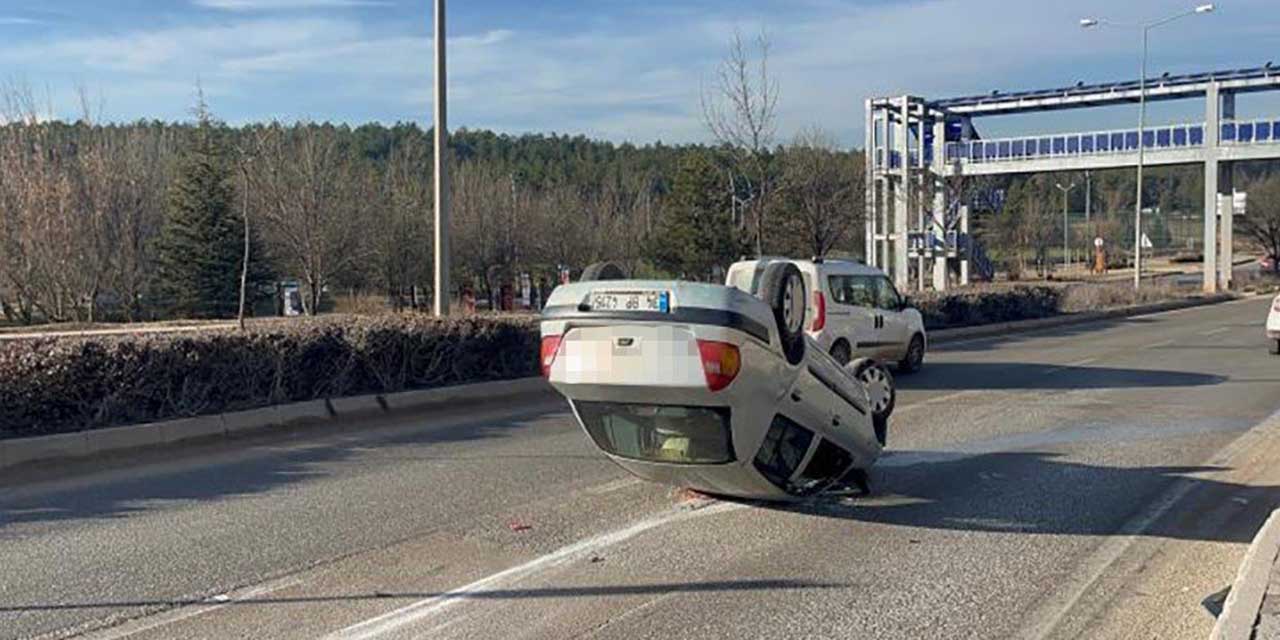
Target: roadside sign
[
  {"x": 1239, "y": 203},
  {"x": 1146, "y": 242},
  {"x": 1097, "y": 242}
]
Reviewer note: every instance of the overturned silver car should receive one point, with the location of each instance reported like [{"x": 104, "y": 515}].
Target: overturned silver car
[{"x": 712, "y": 388}]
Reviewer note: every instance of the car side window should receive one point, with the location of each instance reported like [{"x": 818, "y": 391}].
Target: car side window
[
  {"x": 887, "y": 297},
  {"x": 851, "y": 290}
]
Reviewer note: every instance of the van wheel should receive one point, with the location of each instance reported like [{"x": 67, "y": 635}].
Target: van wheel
[
  {"x": 880, "y": 390},
  {"x": 603, "y": 271},
  {"x": 841, "y": 353},
  {"x": 782, "y": 287},
  {"x": 914, "y": 359}
]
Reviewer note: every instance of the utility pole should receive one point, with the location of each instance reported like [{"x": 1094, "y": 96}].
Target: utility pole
[
  {"x": 440, "y": 304},
  {"x": 1088, "y": 196},
  {"x": 1146, "y": 28},
  {"x": 1066, "y": 248},
  {"x": 244, "y": 266}
]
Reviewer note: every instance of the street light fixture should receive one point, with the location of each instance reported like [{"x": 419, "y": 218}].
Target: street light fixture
[
  {"x": 1066, "y": 248},
  {"x": 1146, "y": 27}
]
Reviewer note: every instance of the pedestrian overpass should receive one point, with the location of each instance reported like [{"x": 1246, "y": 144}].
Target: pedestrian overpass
[{"x": 918, "y": 150}]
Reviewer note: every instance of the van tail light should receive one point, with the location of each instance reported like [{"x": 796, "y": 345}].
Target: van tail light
[
  {"x": 550, "y": 346},
  {"x": 721, "y": 363},
  {"x": 820, "y": 313}
]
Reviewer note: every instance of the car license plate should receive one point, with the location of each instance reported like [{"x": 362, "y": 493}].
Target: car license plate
[{"x": 646, "y": 300}]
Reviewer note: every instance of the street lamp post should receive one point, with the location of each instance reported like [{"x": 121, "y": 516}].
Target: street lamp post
[
  {"x": 1142, "y": 119},
  {"x": 1066, "y": 248},
  {"x": 440, "y": 304}
]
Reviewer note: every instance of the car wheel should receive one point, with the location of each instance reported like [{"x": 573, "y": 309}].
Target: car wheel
[
  {"x": 841, "y": 353},
  {"x": 782, "y": 286},
  {"x": 880, "y": 390},
  {"x": 603, "y": 271},
  {"x": 1275, "y": 347},
  {"x": 914, "y": 359}
]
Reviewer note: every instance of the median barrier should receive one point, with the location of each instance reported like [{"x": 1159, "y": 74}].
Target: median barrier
[{"x": 65, "y": 446}]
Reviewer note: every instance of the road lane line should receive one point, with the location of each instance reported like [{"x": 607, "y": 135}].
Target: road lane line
[
  {"x": 1216, "y": 331},
  {"x": 1157, "y": 345},
  {"x": 614, "y": 485},
  {"x": 425, "y": 608}
]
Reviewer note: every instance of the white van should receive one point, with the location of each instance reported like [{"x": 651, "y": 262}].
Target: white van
[{"x": 855, "y": 311}]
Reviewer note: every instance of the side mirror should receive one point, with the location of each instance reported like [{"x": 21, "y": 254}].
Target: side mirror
[{"x": 904, "y": 303}]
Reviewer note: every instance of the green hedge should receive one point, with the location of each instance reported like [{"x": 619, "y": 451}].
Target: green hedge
[{"x": 53, "y": 385}]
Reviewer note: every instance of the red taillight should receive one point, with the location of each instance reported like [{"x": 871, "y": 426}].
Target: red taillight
[
  {"x": 550, "y": 345},
  {"x": 820, "y": 311},
  {"x": 721, "y": 363}
]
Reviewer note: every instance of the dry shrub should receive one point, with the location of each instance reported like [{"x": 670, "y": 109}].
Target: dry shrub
[{"x": 51, "y": 385}]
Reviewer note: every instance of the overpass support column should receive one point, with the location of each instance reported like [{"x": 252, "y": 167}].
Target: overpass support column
[
  {"x": 869, "y": 187},
  {"x": 1212, "y": 129},
  {"x": 1226, "y": 187},
  {"x": 964, "y": 231},
  {"x": 902, "y": 198},
  {"x": 941, "y": 264}
]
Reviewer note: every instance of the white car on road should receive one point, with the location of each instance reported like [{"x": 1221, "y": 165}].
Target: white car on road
[
  {"x": 854, "y": 310},
  {"x": 712, "y": 388},
  {"x": 1273, "y": 326}
]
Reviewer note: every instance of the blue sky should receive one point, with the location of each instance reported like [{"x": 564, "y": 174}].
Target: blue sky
[{"x": 615, "y": 69}]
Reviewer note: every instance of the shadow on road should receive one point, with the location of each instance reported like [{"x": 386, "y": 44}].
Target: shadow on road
[
  {"x": 248, "y": 466},
  {"x": 1021, "y": 375},
  {"x": 1042, "y": 493},
  {"x": 495, "y": 594}
]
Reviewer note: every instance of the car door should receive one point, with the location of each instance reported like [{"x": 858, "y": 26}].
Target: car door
[
  {"x": 894, "y": 329},
  {"x": 851, "y": 312}
]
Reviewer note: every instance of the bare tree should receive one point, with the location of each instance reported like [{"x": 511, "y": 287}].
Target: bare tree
[
  {"x": 739, "y": 108},
  {"x": 313, "y": 205},
  {"x": 820, "y": 194},
  {"x": 1262, "y": 220}
]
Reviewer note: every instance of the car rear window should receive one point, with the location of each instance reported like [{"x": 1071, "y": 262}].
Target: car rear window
[{"x": 659, "y": 433}]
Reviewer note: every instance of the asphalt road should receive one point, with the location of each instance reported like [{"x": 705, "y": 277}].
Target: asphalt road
[{"x": 1094, "y": 481}]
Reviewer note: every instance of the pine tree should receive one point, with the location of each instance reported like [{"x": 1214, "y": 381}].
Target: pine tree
[
  {"x": 200, "y": 249},
  {"x": 697, "y": 232}
]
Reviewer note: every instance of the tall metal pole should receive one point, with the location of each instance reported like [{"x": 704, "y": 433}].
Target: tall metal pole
[
  {"x": 440, "y": 305},
  {"x": 1088, "y": 196},
  {"x": 1066, "y": 248},
  {"x": 1142, "y": 147}
]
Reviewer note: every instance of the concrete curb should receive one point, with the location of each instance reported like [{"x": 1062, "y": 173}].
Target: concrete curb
[
  {"x": 66, "y": 446},
  {"x": 945, "y": 336},
  {"x": 1240, "y": 611}
]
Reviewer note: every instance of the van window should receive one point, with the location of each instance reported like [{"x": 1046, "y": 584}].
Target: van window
[
  {"x": 887, "y": 297},
  {"x": 858, "y": 291}
]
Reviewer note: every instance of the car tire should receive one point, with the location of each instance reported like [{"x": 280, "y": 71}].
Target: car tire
[
  {"x": 782, "y": 287},
  {"x": 1275, "y": 347},
  {"x": 603, "y": 271},
  {"x": 841, "y": 352},
  {"x": 914, "y": 359},
  {"x": 881, "y": 390}
]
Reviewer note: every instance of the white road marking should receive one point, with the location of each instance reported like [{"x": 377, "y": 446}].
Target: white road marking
[
  {"x": 1216, "y": 331},
  {"x": 1157, "y": 345},
  {"x": 610, "y": 487},
  {"x": 423, "y": 609},
  {"x": 187, "y": 612}
]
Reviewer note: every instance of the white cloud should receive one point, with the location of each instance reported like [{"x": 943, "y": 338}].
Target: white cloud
[
  {"x": 271, "y": 5},
  {"x": 14, "y": 20}
]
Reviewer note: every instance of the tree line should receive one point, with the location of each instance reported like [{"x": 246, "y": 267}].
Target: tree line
[{"x": 152, "y": 220}]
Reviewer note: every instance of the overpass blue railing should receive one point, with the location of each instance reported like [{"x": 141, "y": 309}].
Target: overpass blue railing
[{"x": 1155, "y": 139}]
